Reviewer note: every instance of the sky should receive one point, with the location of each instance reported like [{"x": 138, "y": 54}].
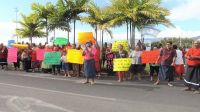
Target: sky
[{"x": 185, "y": 15}]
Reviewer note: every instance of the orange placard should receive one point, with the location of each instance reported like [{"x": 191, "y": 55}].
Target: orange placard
[
  {"x": 150, "y": 56},
  {"x": 84, "y": 37}
]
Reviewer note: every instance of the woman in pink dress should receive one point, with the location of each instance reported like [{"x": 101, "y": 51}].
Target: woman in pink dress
[{"x": 89, "y": 62}]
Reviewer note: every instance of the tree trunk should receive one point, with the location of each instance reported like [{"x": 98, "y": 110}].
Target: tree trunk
[
  {"x": 31, "y": 39},
  {"x": 54, "y": 34},
  {"x": 130, "y": 30},
  {"x": 96, "y": 33},
  {"x": 68, "y": 35},
  {"x": 127, "y": 29},
  {"x": 102, "y": 38},
  {"x": 47, "y": 31},
  {"x": 132, "y": 39},
  {"x": 74, "y": 30}
]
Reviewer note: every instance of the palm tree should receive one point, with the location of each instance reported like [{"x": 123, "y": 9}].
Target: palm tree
[
  {"x": 56, "y": 21},
  {"x": 98, "y": 19},
  {"x": 43, "y": 11},
  {"x": 31, "y": 27},
  {"x": 76, "y": 7},
  {"x": 139, "y": 13}
]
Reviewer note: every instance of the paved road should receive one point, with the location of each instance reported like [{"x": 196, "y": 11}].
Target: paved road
[{"x": 22, "y": 92}]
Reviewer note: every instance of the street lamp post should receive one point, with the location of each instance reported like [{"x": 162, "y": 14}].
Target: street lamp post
[{"x": 16, "y": 11}]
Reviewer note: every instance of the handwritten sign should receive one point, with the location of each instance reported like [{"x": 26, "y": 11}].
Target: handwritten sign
[
  {"x": 115, "y": 45},
  {"x": 60, "y": 41},
  {"x": 84, "y": 37},
  {"x": 52, "y": 58},
  {"x": 150, "y": 56},
  {"x": 40, "y": 54},
  {"x": 75, "y": 56},
  {"x": 12, "y": 54},
  {"x": 122, "y": 64}
]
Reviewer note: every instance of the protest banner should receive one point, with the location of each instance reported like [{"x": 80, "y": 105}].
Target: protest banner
[
  {"x": 75, "y": 56},
  {"x": 124, "y": 43},
  {"x": 60, "y": 41},
  {"x": 40, "y": 54},
  {"x": 10, "y": 42},
  {"x": 84, "y": 37},
  {"x": 122, "y": 64},
  {"x": 20, "y": 46},
  {"x": 12, "y": 54},
  {"x": 52, "y": 58},
  {"x": 150, "y": 56}
]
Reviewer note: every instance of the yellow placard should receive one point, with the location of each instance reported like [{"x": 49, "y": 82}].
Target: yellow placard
[
  {"x": 122, "y": 64},
  {"x": 84, "y": 37},
  {"x": 20, "y": 46},
  {"x": 115, "y": 45},
  {"x": 75, "y": 56}
]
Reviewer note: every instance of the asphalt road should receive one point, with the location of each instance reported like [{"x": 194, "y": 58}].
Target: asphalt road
[{"x": 33, "y": 92}]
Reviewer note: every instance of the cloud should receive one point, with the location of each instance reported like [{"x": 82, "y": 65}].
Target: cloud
[
  {"x": 178, "y": 32},
  {"x": 7, "y": 31},
  {"x": 186, "y": 10}
]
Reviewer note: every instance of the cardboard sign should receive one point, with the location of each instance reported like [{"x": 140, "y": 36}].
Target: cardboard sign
[
  {"x": 12, "y": 54},
  {"x": 84, "y": 37},
  {"x": 40, "y": 54},
  {"x": 52, "y": 58},
  {"x": 10, "y": 42},
  {"x": 150, "y": 56},
  {"x": 122, "y": 64},
  {"x": 60, "y": 41},
  {"x": 124, "y": 43},
  {"x": 75, "y": 56},
  {"x": 20, "y": 46}
]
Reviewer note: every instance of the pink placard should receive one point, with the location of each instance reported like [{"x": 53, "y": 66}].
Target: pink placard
[
  {"x": 12, "y": 54},
  {"x": 40, "y": 54}
]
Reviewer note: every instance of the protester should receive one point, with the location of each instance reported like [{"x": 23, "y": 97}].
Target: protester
[
  {"x": 17, "y": 64},
  {"x": 192, "y": 78},
  {"x": 136, "y": 65},
  {"x": 89, "y": 63},
  {"x": 97, "y": 59},
  {"x": 57, "y": 66},
  {"x": 109, "y": 59},
  {"x": 167, "y": 60},
  {"x": 26, "y": 60},
  {"x": 3, "y": 56},
  {"x": 65, "y": 65},
  {"x": 179, "y": 64},
  {"x": 47, "y": 68},
  {"x": 121, "y": 54},
  {"x": 154, "y": 67}
]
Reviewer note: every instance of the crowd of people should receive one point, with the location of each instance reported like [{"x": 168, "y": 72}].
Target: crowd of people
[{"x": 172, "y": 62}]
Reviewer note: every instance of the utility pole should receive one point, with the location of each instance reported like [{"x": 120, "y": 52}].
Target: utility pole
[{"x": 16, "y": 11}]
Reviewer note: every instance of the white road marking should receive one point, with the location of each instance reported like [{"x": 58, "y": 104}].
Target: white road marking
[
  {"x": 25, "y": 104},
  {"x": 61, "y": 92}
]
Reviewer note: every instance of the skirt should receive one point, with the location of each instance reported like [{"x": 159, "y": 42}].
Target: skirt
[
  {"x": 166, "y": 73},
  {"x": 136, "y": 68},
  {"x": 192, "y": 75},
  {"x": 97, "y": 66},
  {"x": 65, "y": 66},
  {"x": 35, "y": 64},
  {"x": 89, "y": 68},
  {"x": 3, "y": 61},
  {"x": 179, "y": 69}
]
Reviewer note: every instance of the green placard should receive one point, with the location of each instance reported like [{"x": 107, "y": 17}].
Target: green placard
[
  {"x": 60, "y": 41},
  {"x": 52, "y": 58}
]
